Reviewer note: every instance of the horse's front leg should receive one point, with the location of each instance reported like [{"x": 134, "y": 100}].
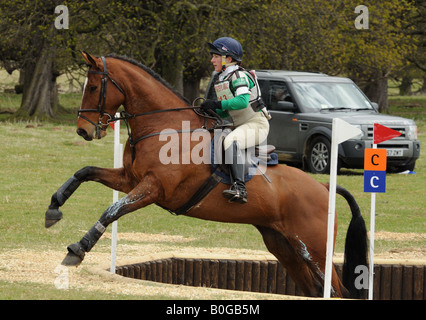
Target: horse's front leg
[
  {"x": 112, "y": 178},
  {"x": 145, "y": 193}
]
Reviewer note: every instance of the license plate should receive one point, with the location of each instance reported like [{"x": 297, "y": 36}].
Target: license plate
[{"x": 394, "y": 153}]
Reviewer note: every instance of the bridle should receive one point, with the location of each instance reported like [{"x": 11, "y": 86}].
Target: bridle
[
  {"x": 102, "y": 100},
  {"x": 100, "y": 126}
]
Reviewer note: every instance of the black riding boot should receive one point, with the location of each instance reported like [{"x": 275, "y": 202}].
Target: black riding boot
[{"x": 238, "y": 191}]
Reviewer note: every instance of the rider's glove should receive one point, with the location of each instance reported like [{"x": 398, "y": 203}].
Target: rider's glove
[{"x": 211, "y": 105}]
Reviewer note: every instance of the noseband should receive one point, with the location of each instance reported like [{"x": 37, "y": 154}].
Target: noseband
[{"x": 102, "y": 100}]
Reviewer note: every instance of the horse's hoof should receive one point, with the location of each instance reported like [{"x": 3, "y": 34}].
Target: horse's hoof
[
  {"x": 71, "y": 260},
  {"x": 75, "y": 255},
  {"x": 52, "y": 216}
]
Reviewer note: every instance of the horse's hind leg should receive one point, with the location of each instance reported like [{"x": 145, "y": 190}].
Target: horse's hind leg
[
  {"x": 145, "y": 193},
  {"x": 295, "y": 258},
  {"x": 113, "y": 178}
]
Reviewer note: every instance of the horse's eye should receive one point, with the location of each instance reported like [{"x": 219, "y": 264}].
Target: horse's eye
[{"x": 93, "y": 89}]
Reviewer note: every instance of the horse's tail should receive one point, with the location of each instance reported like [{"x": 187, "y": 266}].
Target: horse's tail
[{"x": 355, "y": 246}]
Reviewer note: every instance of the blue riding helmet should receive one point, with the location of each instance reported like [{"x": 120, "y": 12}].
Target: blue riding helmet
[{"x": 227, "y": 46}]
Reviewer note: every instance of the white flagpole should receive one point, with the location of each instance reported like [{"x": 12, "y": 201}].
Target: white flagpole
[
  {"x": 341, "y": 131},
  {"x": 372, "y": 227},
  {"x": 371, "y": 257},
  {"x": 331, "y": 212},
  {"x": 118, "y": 159}
]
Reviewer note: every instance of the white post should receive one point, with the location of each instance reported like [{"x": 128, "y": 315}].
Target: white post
[
  {"x": 331, "y": 212},
  {"x": 118, "y": 159},
  {"x": 372, "y": 227},
  {"x": 341, "y": 131},
  {"x": 371, "y": 257}
]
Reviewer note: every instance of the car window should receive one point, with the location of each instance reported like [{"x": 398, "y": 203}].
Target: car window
[
  {"x": 273, "y": 92},
  {"x": 323, "y": 96},
  {"x": 278, "y": 91}
]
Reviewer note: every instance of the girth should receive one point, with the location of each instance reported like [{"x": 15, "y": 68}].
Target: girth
[{"x": 208, "y": 185}]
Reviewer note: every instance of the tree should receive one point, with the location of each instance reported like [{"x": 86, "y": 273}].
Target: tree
[
  {"x": 415, "y": 67},
  {"x": 319, "y": 35},
  {"x": 377, "y": 51},
  {"x": 170, "y": 37},
  {"x": 24, "y": 34},
  {"x": 37, "y": 46}
]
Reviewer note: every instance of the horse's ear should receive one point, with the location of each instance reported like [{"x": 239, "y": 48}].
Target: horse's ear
[{"x": 91, "y": 60}]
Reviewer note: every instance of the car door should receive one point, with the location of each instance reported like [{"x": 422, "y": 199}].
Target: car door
[{"x": 284, "y": 128}]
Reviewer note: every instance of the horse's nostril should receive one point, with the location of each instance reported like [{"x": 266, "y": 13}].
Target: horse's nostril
[{"x": 81, "y": 132}]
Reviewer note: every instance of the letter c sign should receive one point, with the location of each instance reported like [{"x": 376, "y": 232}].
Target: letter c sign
[
  {"x": 375, "y": 159},
  {"x": 375, "y": 170},
  {"x": 373, "y": 180}
]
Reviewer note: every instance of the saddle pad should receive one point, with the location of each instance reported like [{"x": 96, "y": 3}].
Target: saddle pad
[{"x": 221, "y": 169}]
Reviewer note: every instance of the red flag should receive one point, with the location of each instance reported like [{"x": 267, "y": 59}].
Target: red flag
[
  {"x": 382, "y": 133},
  {"x": 112, "y": 124}
]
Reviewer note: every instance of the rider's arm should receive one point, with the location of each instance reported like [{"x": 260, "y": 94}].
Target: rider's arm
[
  {"x": 237, "y": 103},
  {"x": 241, "y": 87}
]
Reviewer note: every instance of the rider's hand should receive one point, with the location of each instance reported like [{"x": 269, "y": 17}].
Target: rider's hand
[{"x": 211, "y": 105}]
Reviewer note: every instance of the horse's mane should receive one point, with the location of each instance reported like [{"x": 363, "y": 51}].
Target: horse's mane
[{"x": 155, "y": 75}]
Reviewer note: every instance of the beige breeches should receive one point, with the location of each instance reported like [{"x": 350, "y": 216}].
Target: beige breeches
[{"x": 252, "y": 133}]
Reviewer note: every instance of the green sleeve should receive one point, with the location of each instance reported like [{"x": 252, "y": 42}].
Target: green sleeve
[{"x": 237, "y": 103}]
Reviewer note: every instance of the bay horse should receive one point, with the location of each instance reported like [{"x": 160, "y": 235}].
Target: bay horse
[{"x": 290, "y": 210}]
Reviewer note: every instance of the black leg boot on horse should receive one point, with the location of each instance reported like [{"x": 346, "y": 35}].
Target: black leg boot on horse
[
  {"x": 237, "y": 192},
  {"x": 77, "y": 251}
]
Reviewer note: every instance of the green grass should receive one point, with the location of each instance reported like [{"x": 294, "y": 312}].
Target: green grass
[
  {"x": 37, "y": 158},
  {"x": 37, "y": 291},
  {"x": 42, "y": 157}
]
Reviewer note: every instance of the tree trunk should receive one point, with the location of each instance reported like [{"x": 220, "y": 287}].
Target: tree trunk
[
  {"x": 40, "y": 92},
  {"x": 405, "y": 86},
  {"x": 377, "y": 91},
  {"x": 191, "y": 89},
  {"x": 173, "y": 73},
  {"x": 422, "y": 90}
]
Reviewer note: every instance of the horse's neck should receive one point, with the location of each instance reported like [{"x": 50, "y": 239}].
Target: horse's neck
[{"x": 146, "y": 94}]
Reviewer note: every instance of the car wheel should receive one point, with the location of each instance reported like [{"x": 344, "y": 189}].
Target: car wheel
[{"x": 319, "y": 155}]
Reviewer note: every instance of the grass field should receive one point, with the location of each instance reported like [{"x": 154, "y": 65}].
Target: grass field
[{"x": 37, "y": 158}]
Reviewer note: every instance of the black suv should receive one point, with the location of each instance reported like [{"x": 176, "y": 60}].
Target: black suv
[{"x": 303, "y": 105}]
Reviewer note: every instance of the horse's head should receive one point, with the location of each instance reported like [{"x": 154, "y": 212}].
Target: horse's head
[{"x": 102, "y": 96}]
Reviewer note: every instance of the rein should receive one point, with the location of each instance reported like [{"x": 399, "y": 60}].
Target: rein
[{"x": 124, "y": 115}]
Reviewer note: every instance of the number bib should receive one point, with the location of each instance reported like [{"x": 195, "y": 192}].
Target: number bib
[{"x": 223, "y": 92}]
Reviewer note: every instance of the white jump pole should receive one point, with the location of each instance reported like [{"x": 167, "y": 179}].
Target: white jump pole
[
  {"x": 341, "y": 131},
  {"x": 118, "y": 163},
  {"x": 331, "y": 212}
]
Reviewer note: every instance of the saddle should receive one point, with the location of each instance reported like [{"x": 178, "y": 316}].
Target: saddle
[{"x": 255, "y": 158}]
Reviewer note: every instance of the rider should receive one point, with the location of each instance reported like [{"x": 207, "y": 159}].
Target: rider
[{"x": 239, "y": 98}]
